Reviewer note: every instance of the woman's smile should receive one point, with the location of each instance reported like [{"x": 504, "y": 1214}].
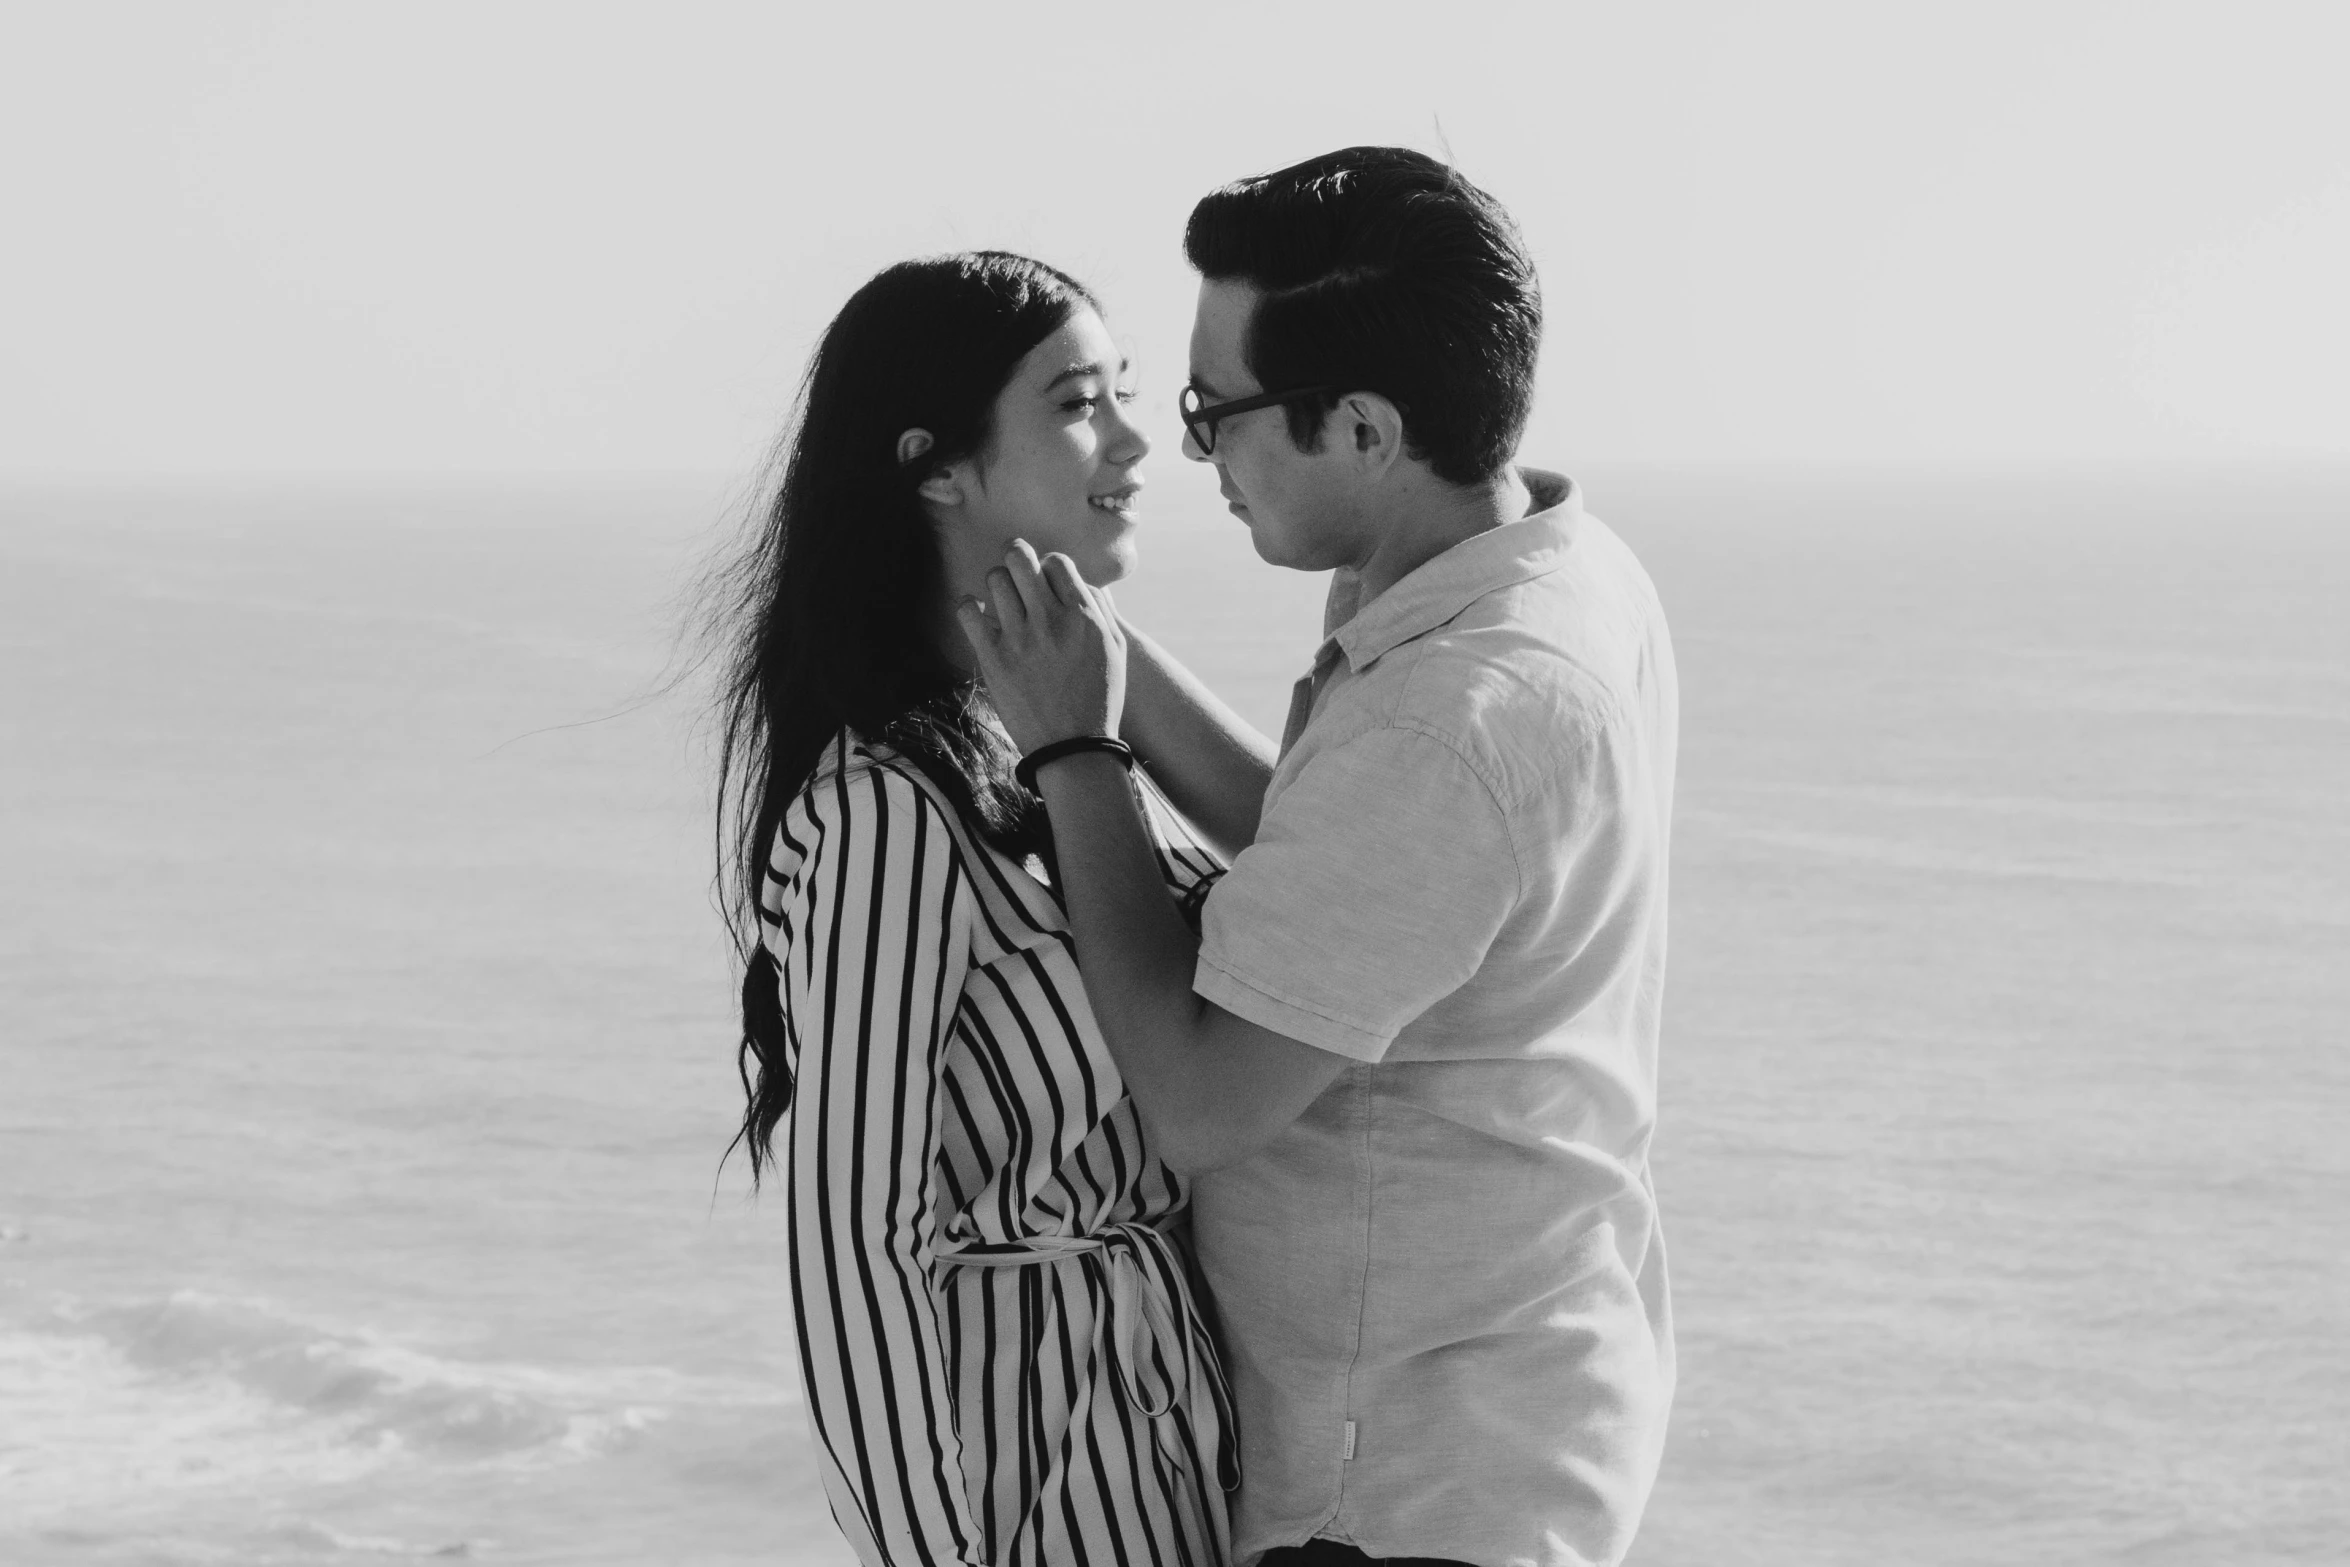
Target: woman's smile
[{"x": 1120, "y": 502}]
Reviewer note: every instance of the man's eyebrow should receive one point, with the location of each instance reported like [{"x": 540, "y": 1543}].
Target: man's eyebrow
[
  {"x": 1199, "y": 384},
  {"x": 1089, "y": 367}
]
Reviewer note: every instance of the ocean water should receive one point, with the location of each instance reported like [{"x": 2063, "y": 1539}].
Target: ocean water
[{"x": 365, "y": 1065}]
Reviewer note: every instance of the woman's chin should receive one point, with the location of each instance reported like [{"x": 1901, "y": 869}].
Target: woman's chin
[{"x": 1107, "y": 563}]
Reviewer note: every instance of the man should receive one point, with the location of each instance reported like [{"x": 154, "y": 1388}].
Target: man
[{"x": 1410, "y": 1057}]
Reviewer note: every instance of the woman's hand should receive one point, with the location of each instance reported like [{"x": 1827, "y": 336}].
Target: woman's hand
[{"x": 1050, "y": 649}]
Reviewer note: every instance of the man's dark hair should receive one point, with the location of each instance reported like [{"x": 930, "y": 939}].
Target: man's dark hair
[{"x": 1382, "y": 270}]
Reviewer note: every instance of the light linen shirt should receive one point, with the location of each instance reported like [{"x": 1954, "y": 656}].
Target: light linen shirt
[{"x": 1444, "y": 1286}]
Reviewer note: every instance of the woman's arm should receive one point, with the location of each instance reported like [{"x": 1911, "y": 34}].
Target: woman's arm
[
  {"x": 1206, "y": 757},
  {"x": 875, "y": 976}
]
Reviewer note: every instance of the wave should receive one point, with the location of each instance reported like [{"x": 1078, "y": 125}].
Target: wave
[
  {"x": 376, "y": 1390},
  {"x": 197, "y": 1391},
  {"x": 283, "y": 1542},
  {"x": 304, "y": 1534}
]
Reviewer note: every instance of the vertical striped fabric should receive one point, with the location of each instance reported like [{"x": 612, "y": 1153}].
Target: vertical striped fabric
[{"x": 1002, "y": 1359}]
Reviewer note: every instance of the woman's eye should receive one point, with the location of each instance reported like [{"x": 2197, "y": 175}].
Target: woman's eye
[
  {"x": 1127, "y": 394},
  {"x": 1082, "y": 404}
]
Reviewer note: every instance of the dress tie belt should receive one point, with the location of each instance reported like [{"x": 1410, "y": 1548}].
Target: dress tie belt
[
  {"x": 1151, "y": 1350},
  {"x": 1156, "y": 1344}
]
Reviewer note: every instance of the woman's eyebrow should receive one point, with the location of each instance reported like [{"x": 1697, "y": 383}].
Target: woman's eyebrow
[{"x": 1089, "y": 367}]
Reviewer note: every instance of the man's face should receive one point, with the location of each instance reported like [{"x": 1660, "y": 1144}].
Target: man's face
[{"x": 1296, "y": 504}]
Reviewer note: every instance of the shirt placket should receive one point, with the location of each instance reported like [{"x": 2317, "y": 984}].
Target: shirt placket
[{"x": 1308, "y": 691}]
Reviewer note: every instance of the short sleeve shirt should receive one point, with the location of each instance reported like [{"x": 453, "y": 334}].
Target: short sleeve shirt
[{"x": 1444, "y": 1285}]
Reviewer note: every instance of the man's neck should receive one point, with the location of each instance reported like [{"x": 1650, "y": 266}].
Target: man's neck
[{"x": 1429, "y": 517}]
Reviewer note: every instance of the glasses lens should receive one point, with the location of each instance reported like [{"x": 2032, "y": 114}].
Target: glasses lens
[{"x": 1203, "y": 431}]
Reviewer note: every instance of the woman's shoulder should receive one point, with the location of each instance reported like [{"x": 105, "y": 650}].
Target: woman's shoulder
[
  {"x": 862, "y": 785},
  {"x": 855, "y": 772},
  {"x": 858, "y": 782}
]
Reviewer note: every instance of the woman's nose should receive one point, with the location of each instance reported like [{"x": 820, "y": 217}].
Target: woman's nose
[{"x": 1129, "y": 444}]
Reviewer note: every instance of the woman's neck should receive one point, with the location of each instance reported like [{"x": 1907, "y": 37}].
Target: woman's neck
[{"x": 946, "y": 635}]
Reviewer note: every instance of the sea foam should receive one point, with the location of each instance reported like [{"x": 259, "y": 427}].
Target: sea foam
[{"x": 198, "y": 1391}]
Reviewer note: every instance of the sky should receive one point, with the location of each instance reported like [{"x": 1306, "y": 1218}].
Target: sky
[{"x": 582, "y": 239}]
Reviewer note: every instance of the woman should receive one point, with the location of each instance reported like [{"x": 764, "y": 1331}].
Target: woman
[{"x": 1002, "y": 1358}]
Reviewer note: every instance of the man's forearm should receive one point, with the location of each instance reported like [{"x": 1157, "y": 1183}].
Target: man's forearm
[
  {"x": 1211, "y": 1087},
  {"x": 1208, "y": 759},
  {"x": 1133, "y": 948}
]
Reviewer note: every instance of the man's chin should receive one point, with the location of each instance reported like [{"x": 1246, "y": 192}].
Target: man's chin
[{"x": 1268, "y": 546}]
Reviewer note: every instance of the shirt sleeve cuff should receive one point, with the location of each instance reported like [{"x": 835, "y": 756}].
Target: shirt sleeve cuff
[{"x": 1246, "y": 999}]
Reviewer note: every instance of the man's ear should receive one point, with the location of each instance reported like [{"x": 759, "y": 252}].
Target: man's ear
[
  {"x": 1373, "y": 429},
  {"x": 940, "y": 486}
]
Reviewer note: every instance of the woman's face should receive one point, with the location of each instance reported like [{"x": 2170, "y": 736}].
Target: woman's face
[{"x": 1063, "y": 470}]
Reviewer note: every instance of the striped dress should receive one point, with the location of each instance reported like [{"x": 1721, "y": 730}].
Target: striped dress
[{"x": 1002, "y": 1358}]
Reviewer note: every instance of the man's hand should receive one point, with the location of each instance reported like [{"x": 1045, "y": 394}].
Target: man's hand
[{"x": 1050, "y": 649}]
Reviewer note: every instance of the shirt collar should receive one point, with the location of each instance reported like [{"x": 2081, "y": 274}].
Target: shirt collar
[{"x": 1438, "y": 590}]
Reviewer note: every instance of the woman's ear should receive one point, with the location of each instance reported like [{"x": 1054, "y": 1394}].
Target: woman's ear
[{"x": 940, "y": 485}]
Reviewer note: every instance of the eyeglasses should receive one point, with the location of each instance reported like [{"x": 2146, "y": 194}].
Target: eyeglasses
[{"x": 1200, "y": 418}]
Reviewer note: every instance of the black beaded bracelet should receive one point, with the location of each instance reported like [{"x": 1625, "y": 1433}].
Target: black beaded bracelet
[{"x": 1025, "y": 768}]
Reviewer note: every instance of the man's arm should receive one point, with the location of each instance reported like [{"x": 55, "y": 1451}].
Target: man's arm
[
  {"x": 1212, "y": 1088},
  {"x": 1208, "y": 759}
]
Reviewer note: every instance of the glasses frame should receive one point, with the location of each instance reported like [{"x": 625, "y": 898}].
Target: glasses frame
[{"x": 1200, "y": 418}]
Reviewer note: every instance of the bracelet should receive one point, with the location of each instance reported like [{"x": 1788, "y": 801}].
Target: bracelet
[{"x": 1025, "y": 768}]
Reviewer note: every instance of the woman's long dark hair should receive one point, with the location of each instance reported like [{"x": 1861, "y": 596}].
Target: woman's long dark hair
[{"x": 831, "y": 609}]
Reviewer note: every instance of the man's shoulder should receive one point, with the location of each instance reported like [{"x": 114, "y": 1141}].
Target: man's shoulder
[
  {"x": 1517, "y": 685},
  {"x": 1530, "y": 675}
]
